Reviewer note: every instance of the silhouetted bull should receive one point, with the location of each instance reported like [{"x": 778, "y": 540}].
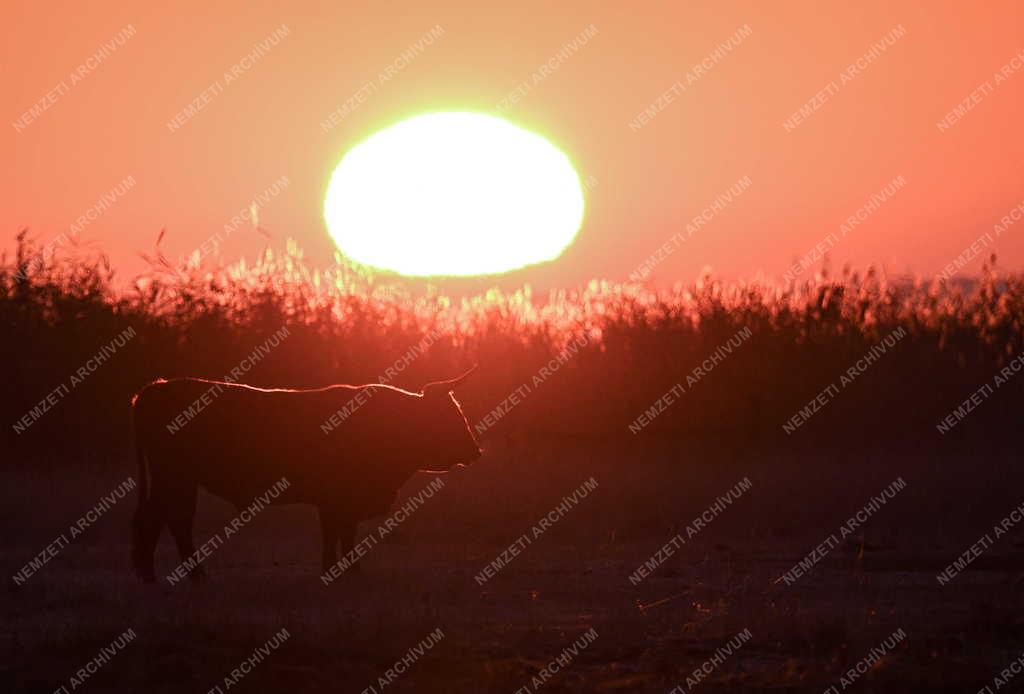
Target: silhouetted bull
[{"x": 345, "y": 449}]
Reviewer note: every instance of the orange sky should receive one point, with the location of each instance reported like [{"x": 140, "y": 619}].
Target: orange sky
[{"x": 115, "y": 115}]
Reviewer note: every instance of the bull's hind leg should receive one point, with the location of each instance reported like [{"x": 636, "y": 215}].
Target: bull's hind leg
[
  {"x": 146, "y": 527},
  {"x": 181, "y": 512}
]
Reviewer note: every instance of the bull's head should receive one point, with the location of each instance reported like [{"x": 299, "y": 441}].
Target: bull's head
[{"x": 454, "y": 444}]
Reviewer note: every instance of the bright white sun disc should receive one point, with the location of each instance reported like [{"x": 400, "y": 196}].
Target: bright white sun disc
[{"x": 453, "y": 194}]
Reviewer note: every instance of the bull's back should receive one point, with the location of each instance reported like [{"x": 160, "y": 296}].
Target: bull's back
[{"x": 237, "y": 441}]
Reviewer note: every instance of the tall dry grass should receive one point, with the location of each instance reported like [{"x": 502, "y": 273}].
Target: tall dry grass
[{"x": 348, "y": 325}]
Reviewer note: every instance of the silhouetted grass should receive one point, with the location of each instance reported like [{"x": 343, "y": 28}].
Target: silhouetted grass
[{"x": 349, "y": 325}]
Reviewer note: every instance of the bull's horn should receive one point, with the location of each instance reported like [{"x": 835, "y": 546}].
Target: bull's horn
[{"x": 445, "y": 386}]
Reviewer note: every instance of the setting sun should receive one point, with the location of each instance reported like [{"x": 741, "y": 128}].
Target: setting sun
[{"x": 454, "y": 194}]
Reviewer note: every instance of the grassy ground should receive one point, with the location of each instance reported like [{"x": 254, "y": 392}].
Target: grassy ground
[{"x": 498, "y": 636}]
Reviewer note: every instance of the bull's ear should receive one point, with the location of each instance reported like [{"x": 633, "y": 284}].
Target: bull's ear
[{"x": 442, "y": 387}]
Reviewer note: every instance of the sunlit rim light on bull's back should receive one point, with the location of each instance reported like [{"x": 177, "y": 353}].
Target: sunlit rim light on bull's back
[{"x": 454, "y": 194}]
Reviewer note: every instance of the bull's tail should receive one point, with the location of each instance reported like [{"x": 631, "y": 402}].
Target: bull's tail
[
  {"x": 140, "y": 456},
  {"x": 145, "y": 528}
]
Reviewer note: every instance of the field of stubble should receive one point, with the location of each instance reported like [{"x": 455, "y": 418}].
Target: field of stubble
[{"x": 503, "y": 635}]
